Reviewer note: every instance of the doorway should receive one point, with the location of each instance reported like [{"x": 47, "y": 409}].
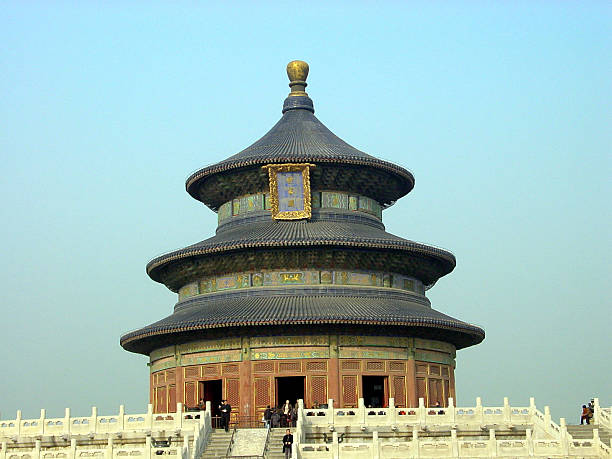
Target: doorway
[
  {"x": 375, "y": 392},
  {"x": 290, "y": 388},
  {"x": 212, "y": 391}
]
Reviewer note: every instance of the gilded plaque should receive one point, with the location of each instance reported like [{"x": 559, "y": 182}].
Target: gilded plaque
[{"x": 289, "y": 191}]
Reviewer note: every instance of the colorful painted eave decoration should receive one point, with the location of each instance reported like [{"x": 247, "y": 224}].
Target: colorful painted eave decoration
[{"x": 290, "y": 191}]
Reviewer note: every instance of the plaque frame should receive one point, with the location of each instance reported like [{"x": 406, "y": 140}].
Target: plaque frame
[{"x": 273, "y": 170}]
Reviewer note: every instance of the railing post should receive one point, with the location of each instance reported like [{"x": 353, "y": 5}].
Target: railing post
[
  {"x": 393, "y": 411},
  {"x": 335, "y": 445},
  {"x": 208, "y": 414},
  {"x": 492, "y": 443},
  {"x": 547, "y": 418},
  {"x": 330, "y": 411},
  {"x": 149, "y": 416},
  {"x": 93, "y": 421},
  {"x": 3, "y": 452},
  {"x": 147, "y": 452},
  {"x": 454, "y": 443},
  {"x": 37, "y": 447},
  {"x": 18, "y": 422},
  {"x": 41, "y": 421},
  {"x": 178, "y": 421},
  {"x": 109, "y": 448},
  {"x": 416, "y": 441},
  {"x": 375, "y": 445},
  {"x": 564, "y": 436},
  {"x": 121, "y": 417},
  {"x": 507, "y": 410},
  {"x": 67, "y": 426},
  {"x": 596, "y": 413},
  {"x": 186, "y": 445},
  {"x": 361, "y": 411},
  {"x": 451, "y": 410},
  {"x": 479, "y": 411},
  {"x": 529, "y": 440},
  {"x": 72, "y": 453},
  {"x": 422, "y": 418}
]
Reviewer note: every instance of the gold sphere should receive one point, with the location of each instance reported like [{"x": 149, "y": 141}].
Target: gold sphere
[{"x": 297, "y": 70}]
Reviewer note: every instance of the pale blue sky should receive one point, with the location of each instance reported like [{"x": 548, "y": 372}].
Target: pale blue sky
[{"x": 502, "y": 110}]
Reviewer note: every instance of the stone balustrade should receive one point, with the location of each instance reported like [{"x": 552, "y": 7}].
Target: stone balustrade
[
  {"x": 96, "y": 423},
  {"x": 542, "y": 438},
  {"x": 23, "y": 438}
]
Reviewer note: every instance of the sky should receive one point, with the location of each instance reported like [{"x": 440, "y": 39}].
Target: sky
[{"x": 502, "y": 111}]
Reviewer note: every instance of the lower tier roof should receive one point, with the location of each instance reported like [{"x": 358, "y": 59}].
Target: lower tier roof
[
  {"x": 303, "y": 306},
  {"x": 292, "y": 235}
]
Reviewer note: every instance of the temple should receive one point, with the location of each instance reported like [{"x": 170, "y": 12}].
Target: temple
[{"x": 301, "y": 293}]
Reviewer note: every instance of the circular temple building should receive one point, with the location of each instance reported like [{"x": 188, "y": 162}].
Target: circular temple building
[{"x": 301, "y": 293}]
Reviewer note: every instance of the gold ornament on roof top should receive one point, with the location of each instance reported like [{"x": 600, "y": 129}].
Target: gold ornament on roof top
[{"x": 297, "y": 71}]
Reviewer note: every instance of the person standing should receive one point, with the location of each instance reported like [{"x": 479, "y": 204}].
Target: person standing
[
  {"x": 226, "y": 409},
  {"x": 585, "y": 415},
  {"x": 267, "y": 416},
  {"x": 287, "y": 442}
]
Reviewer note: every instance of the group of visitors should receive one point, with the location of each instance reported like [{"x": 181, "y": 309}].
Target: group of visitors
[
  {"x": 283, "y": 416},
  {"x": 587, "y": 412}
]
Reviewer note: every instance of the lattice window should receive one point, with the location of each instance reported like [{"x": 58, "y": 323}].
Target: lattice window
[
  {"x": 210, "y": 370},
  {"x": 160, "y": 400},
  {"x": 447, "y": 392},
  {"x": 262, "y": 392},
  {"x": 172, "y": 398},
  {"x": 434, "y": 387},
  {"x": 421, "y": 388},
  {"x": 170, "y": 375},
  {"x": 445, "y": 371},
  {"x": 318, "y": 389},
  {"x": 286, "y": 367},
  {"x": 375, "y": 366},
  {"x": 434, "y": 370},
  {"x": 397, "y": 366},
  {"x": 160, "y": 378},
  {"x": 421, "y": 368},
  {"x": 399, "y": 390},
  {"x": 264, "y": 367},
  {"x": 349, "y": 390},
  {"x": 316, "y": 366},
  {"x": 230, "y": 369},
  {"x": 191, "y": 394},
  {"x": 192, "y": 372},
  {"x": 351, "y": 365},
  {"x": 232, "y": 394}
]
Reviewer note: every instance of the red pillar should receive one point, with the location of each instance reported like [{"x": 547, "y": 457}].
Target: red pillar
[{"x": 411, "y": 392}]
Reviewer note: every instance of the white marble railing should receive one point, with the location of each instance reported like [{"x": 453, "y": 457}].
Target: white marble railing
[
  {"x": 96, "y": 423},
  {"x": 602, "y": 415},
  {"x": 449, "y": 447},
  {"x": 422, "y": 416},
  {"x": 194, "y": 427},
  {"x": 110, "y": 451},
  {"x": 543, "y": 436},
  {"x": 201, "y": 435}
]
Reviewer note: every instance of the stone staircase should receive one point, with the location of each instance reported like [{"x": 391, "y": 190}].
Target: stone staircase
[
  {"x": 582, "y": 432},
  {"x": 217, "y": 444},
  {"x": 275, "y": 443}
]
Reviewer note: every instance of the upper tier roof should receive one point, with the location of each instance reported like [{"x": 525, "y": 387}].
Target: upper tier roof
[{"x": 297, "y": 137}]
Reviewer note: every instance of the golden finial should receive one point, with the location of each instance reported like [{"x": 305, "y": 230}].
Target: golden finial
[{"x": 297, "y": 71}]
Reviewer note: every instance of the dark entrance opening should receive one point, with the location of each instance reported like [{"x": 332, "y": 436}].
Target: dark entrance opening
[
  {"x": 212, "y": 391},
  {"x": 375, "y": 393},
  {"x": 290, "y": 388}
]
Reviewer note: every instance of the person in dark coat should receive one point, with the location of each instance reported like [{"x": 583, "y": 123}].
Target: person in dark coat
[
  {"x": 225, "y": 409},
  {"x": 276, "y": 418},
  {"x": 267, "y": 416},
  {"x": 287, "y": 442}
]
